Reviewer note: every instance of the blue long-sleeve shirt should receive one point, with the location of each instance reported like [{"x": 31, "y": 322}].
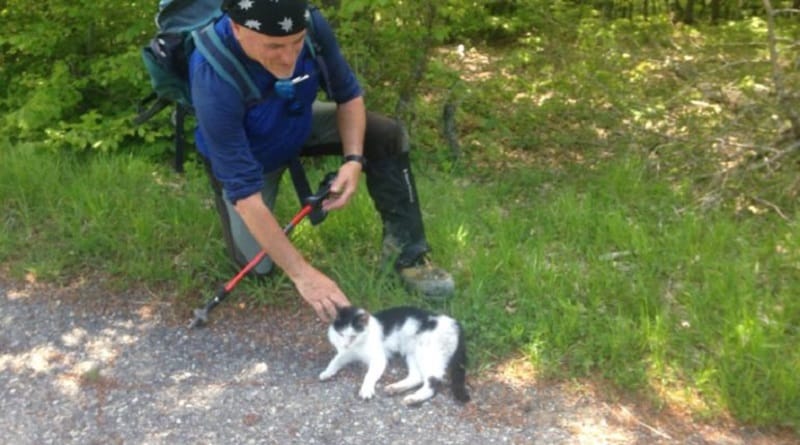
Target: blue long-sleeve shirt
[{"x": 244, "y": 142}]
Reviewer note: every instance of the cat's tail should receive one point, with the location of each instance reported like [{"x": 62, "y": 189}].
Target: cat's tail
[{"x": 458, "y": 369}]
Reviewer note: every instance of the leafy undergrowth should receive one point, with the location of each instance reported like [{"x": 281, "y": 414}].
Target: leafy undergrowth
[{"x": 637, "y": 194}]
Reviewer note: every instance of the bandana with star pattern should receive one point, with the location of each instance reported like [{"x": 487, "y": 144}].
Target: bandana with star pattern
[{"x": 271, "y": 17}]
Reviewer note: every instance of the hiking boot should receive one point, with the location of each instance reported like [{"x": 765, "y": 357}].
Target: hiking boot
[{"x": 424, "y": 277}]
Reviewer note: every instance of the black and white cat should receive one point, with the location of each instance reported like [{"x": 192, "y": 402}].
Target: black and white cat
[{"x": 432, "y": 345}]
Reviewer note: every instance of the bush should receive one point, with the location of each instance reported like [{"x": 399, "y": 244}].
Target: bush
[{"x": 71, "y": 72}]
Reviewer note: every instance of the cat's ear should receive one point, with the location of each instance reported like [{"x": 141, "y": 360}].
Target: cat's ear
[
  {"x": 362, "y": 318},
  {"x": 344, "y": 311}
]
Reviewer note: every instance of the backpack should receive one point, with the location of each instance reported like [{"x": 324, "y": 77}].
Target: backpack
[{"x": 184, "y": 25}]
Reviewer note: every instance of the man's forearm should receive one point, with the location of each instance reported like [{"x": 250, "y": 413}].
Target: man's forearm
[
  {"x": 351, "y": 118},
  {"x": 270, "y": 236}
]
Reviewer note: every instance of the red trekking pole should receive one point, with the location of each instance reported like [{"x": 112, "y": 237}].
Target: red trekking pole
[{"x": 312, "y": 203}]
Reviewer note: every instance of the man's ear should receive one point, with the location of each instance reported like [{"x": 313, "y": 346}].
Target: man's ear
[{"x": 236, "y": 28}]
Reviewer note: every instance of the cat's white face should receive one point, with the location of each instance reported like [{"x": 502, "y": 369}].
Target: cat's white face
[
  {"x": 346, "y": 337},
  {"x": 349, "y": 328}
]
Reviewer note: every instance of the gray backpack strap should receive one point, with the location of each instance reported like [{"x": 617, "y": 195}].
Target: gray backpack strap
[
  {"x": 316, "y": 51},
  {"x": 225, "y": 64}
]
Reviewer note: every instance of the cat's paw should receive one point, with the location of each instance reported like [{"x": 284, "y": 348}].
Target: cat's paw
[
  {"x": 418, "y": 397},
  {"x": 395, "y": 389},
  {"x": 366, "y": 392},
  {"x": 412, "y": 401},
  {"x": 402, "y": 386},
  {"x": 325, "y": 375},
  {"x": 392, "y": 389}
]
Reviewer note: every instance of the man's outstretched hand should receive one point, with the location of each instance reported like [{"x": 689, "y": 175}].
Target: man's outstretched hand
[{"x": 322, "y": 293}]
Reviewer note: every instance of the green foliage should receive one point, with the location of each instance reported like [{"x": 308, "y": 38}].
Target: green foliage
[
  {"x": 72, "y": 71},
  {"x": 402, "y": 36}
]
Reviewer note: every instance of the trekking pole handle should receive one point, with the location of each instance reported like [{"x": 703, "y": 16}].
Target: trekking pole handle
[{"x": 315, "y": 200}]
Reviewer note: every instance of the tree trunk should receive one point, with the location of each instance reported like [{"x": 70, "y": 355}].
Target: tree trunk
[
  {"x": 715, "y": 11},
  {"x": 608, "y": 9},
  {"x": 449, "y": 126},
  {"x": 784, "y": 101},
  {"x": 677, "y": 11},
  {"x": 404, "y": 110},
  {"x": 688, "y": 16}
]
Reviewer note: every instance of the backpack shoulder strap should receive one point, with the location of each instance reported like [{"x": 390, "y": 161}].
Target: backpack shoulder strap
[
  {"x": 311, "y": 38},
  {"x": 316, "y": 50},
  {"x": 225, "y": 64}
]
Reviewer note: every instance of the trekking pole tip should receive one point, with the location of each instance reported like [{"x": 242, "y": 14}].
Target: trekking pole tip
[{"x": 200, "y": 318}]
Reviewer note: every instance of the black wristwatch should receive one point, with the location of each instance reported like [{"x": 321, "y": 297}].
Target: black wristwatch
[{"x": 357, "y": 158}]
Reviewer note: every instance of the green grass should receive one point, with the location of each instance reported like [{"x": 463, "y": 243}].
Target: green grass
[
  {"x": 600, "y": 272},
  {"x": 121, "y": 215}
]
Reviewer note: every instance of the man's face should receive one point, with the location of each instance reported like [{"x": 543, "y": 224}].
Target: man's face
[{"x": 277, "y": 55}]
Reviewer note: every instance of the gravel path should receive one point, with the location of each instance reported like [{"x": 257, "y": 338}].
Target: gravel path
[{"x": 124, "y": 370}]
